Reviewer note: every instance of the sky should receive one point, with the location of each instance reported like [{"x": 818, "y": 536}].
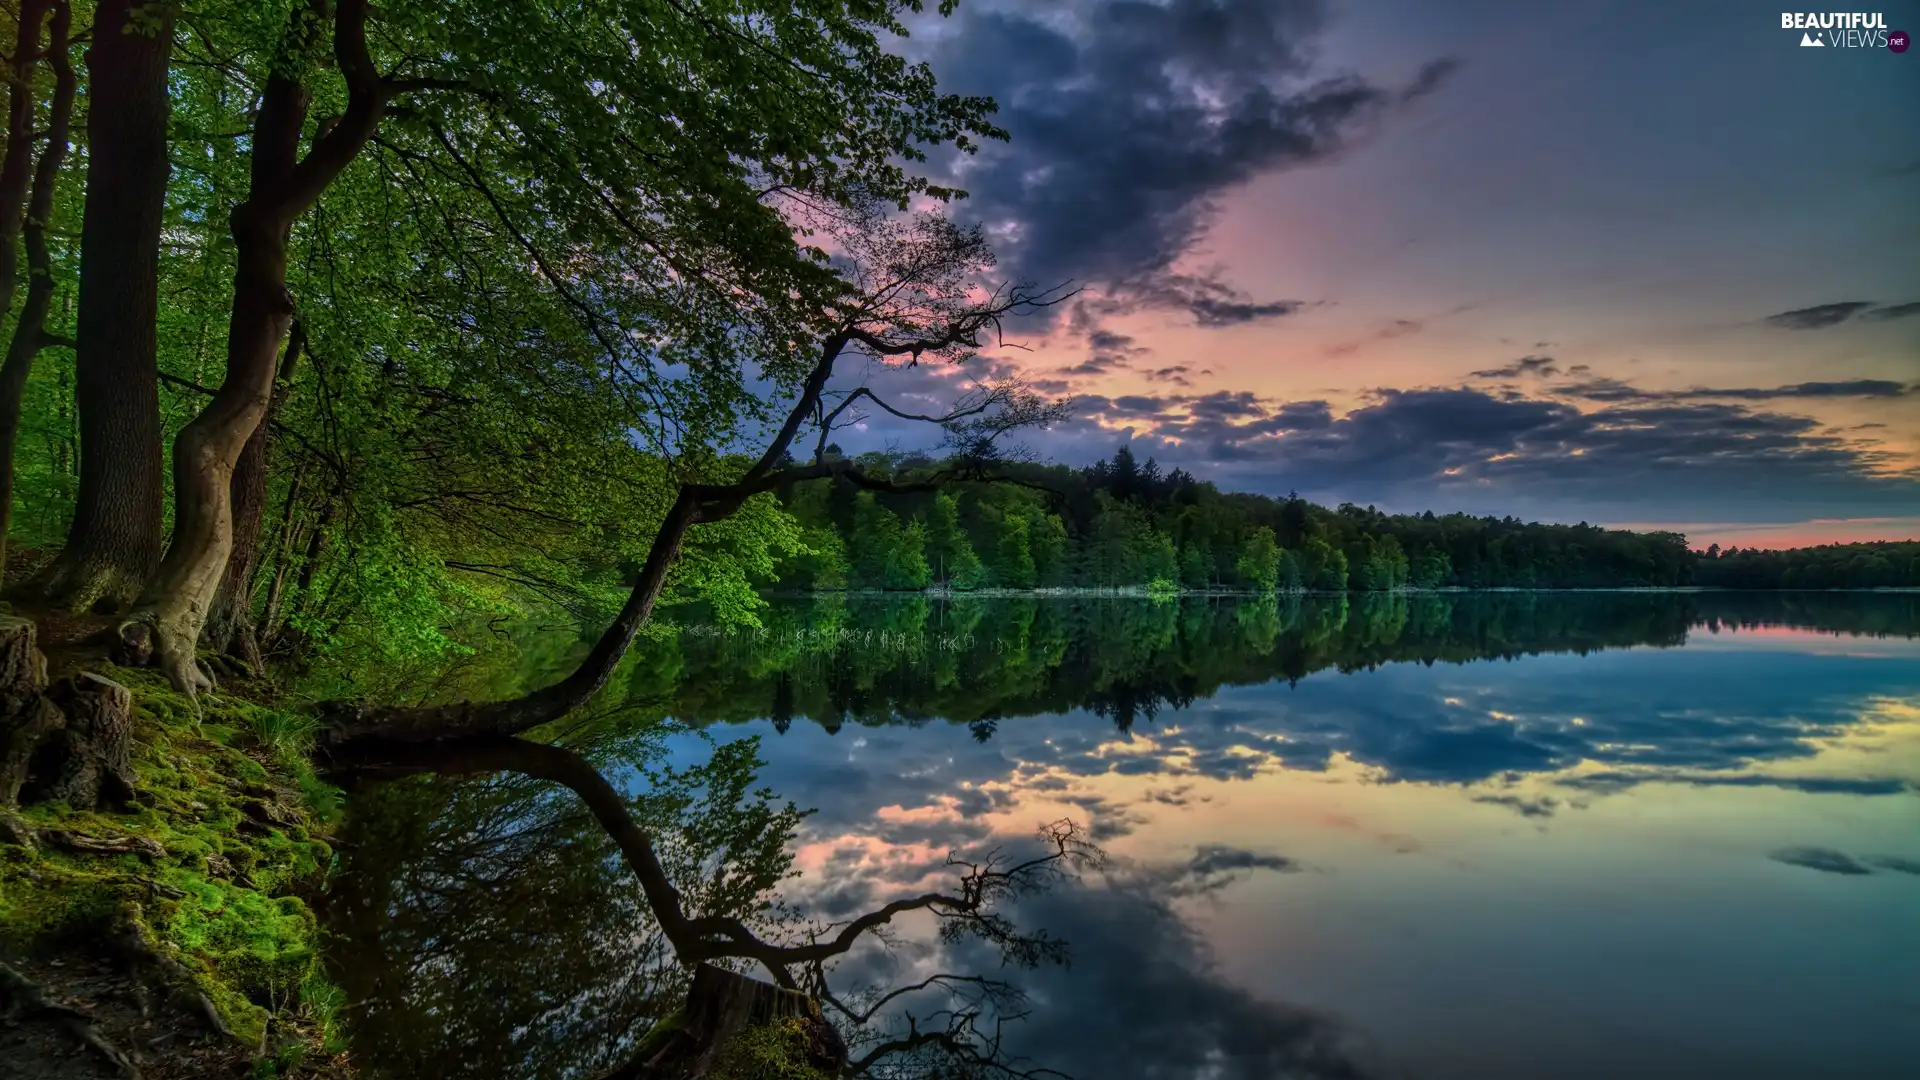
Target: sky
[{"x": 1633, "y": 263}]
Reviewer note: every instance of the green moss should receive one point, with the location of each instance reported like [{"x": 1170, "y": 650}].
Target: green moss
[
  {"x": 227, "y": 791},
  {"x": 656, "y": 1037},
  {"x": 776, "y": 1051}
]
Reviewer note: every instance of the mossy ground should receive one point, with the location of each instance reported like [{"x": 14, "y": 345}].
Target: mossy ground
[{"x": 227, "y": 791}]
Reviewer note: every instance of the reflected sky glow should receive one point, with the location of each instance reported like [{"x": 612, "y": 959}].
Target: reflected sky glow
[{"x": 1651, "y": 862}]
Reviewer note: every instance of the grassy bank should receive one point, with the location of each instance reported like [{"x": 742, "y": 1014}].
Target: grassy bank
[{"x": 196, "y": 892}]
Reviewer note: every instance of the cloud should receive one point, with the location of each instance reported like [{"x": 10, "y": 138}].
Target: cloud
[
  {"x": 1894, "y": 311},
  {"x": 1213, "y": 867},
  {"x": 1896, "y": 863},
  {"x": 1398, "y": 328},
  {"x": 1542, "y": 807},
  {"x": 1820, "y": 316},
  {"x": 1614, "y": 390},
  {"x": 1812, "y": 785},
  {"x": 1644, "y": 456},
  {"x": 1129, "y": 120},
  {"x": 1542, "y": 366},
  {"x": 1819, "y": 858},
  {"x": 1143, "y": 999}
]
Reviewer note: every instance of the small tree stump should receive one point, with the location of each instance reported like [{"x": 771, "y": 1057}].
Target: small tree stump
[
  {"x": 723, "y": 1004},
  {"x": 26, "y": 718},
  {"x": 97, "y": 765},
  {"x": 23, "y": 668}
]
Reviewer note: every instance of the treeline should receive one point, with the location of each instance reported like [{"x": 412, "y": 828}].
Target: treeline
[
  {"x": 838, "y": 660},
  {"x": 1123, "y": 523},
  {"x": 1829, "y": 566}
]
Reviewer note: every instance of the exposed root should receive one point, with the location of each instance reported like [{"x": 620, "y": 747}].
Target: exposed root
[
  {"x": 21, "y": 999},
  {"x": 138, "y": 947},
  {"x": 146, "y": 642},
  {"x": 96, "y": 845}
]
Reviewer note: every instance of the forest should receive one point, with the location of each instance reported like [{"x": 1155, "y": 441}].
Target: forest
[
  {"x": 341, "y": 338},
  {"x": 1121, "y": 523}
]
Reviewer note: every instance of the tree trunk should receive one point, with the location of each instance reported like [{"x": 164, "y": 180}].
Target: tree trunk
[
  {"x": 96, "y": 767},
  {"x": 26, "y": 719},
  {"x": 173, "y": 611},
  {"x": 230, "y": 627},
  {"x": 17, "y": 165},
  {"x": 29, "y": 333},
  {"x": 723, "y": 1004},
  {"x": 116, "y": 533}
]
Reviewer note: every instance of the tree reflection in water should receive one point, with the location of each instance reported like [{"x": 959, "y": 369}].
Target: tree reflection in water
[
  {"x": 486, "y": 913},
  {"x": 511, "y": 935}
]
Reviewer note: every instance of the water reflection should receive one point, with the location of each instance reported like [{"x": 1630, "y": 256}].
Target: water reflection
[{"x": 1592, "y": 858}]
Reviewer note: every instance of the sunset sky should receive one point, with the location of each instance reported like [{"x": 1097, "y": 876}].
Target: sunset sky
[{"x": 1635, "y": 263}]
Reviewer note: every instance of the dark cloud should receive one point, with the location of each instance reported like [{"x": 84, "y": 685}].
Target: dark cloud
[
  {"x": 1542, "y": 807},
  {"x": 1812, "y": 785},
  {"x": 1819, "y": 858},
  {"x": 1896, "y": 863},
  {"x": 1128, "y": 123},
  {"x": 1143, "y": 999},
  {"x": 1614, "y": 390},
  {"x": 1894, "y": 311},
  {"x": 1542, "y": 366},
  {"x": 1820, "y": 316},
  {"x": 1645, "y": 456},
  {"x": 1210, "y": 860},
  {"x": 1212, "y": 868}
]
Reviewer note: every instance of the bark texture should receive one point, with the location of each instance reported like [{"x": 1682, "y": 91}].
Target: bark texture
[
  {"x": 17, "y": 164},
  {"x": 230, "y": 626},
  {"x": 27, "y": 719},
  {"x": 95, "y": 765},
  {"x": 72, "y": 742},
  {"x": 30, "y": 331},
  {"x": 115, "y": 538}
]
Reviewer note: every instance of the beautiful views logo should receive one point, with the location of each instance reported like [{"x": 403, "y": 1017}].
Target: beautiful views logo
[{"x": 1844, "y": 30}]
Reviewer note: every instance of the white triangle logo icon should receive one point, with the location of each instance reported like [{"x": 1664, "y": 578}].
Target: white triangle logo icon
[{"x": 1807, "y": 40}]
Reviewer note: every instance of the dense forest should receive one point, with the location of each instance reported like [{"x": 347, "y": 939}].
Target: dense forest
[{"x": 1122, "y": 523}]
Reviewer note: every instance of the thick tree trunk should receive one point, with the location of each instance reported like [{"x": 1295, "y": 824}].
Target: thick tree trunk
[
  {"x": 116, "y": 533},
  {"x": 230, "y": 626},
  {"x": 173, "y": 611},
  {"x": 29, "y": 333}
]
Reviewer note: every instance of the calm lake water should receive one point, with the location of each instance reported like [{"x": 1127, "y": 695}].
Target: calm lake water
[{"x": 1600, "y": 835}]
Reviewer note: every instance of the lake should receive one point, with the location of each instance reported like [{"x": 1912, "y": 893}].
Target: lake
[{"x": 1440, "y": 836}]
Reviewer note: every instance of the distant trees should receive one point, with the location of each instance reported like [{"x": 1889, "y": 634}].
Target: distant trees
[
  {"x": 1124, "y": 522},
  {"x": 1828, "y": 566}
]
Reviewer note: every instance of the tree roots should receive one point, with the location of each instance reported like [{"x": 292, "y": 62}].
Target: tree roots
[{"x": 21, "y": 999}]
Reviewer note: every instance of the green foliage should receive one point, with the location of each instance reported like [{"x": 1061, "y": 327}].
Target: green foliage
[
  {"x": 1013, "y": 565},
  {"x": 1259, "y": 563}
]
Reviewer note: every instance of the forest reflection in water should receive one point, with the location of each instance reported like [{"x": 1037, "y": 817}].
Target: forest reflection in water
[{"x": 1576, "y": 863}]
